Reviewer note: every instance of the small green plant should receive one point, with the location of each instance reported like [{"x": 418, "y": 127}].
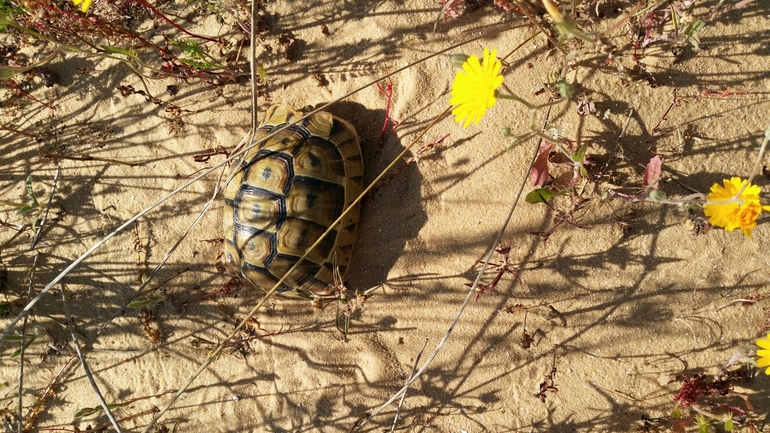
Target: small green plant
[
  {"x": 27, "y": 338},
  {"x": 194, "y": 55},
  {"x": 32, "y": 207}
]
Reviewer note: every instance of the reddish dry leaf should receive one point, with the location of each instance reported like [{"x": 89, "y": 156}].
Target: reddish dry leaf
[
  {"x": 652, "y": 173},
  {"x": 538, "y": 175}
]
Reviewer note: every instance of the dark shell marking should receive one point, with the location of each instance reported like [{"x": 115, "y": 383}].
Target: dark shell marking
[{"x": 285, "y": 193}]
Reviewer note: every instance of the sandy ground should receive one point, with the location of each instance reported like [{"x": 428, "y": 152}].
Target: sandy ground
[{"x": 618, "y": 306}]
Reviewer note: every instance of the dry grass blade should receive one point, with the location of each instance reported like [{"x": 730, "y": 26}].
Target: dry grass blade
[{"x": 253, "y": 63}]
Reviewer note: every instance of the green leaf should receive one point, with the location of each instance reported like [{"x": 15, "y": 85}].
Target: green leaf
[
  {"x": 703, "y": 424},
  {"x": 580, "y": 155},
  {"x": 540, "y": 195},
  {"x": 92, "y": 410},
  {"x": 116, "y": 50},
  {"x": 195, "y": 64},
  {"x": 565, "y": 89},
  {"x": 30, "y": 192},
  {"x": 677, "y": 413},
  {"x": 27, "y": 342},
  {"x": 26, "y": 209},
  {"x": 4, "y": 307},
  {"x": 692, "y": 32},
  {"x": 87, "y": 411},
  {"x": 149, "y": 303},
  {"x": 6, "y": 72},
  {"x": 15, "y": 338}
]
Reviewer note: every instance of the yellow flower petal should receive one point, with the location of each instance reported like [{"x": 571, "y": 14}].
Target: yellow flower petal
[
  {"x": 764, "y": 342},
  {"x": 763, "y": 355},
  {"x": 86, "y": 4},
  {"x": 473, "y": 89},
  {"x": 725, "y": 208}
]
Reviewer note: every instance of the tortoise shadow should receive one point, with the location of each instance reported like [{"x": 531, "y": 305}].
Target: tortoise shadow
[{"x": 391, "y": 212}]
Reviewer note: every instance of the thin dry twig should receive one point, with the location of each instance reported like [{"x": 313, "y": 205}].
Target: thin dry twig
[
  {"x": 83, "y": 364},
  {"x": 47, "y": 208},
  {"x": 403, "y": 396},
  {"x": 24, "y": 343},
  {"x": 735, "y": 301},
  {"x": 90, "y": 158},
  {"x": 47, "y": 393}
]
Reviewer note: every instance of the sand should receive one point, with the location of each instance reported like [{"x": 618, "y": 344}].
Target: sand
[{"x": 609, "y": 311}]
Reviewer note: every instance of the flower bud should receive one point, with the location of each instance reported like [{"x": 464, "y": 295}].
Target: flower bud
[
  {"x": 553, "y": 11},
  {"x": 457, "y": 60}
]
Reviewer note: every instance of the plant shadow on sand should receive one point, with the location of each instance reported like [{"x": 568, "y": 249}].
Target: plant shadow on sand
[{"x": 618, "y": 309}]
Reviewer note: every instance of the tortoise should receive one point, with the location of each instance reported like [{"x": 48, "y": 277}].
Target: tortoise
[{"x": 283, "y": 196}]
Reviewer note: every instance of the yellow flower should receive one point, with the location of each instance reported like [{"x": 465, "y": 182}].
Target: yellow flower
[
  {"x": 473, "y": 89},
  {"x": 764, "y": 353},
  {"x": 736, "y": 212},
  {"x": 86, "y": 4}
]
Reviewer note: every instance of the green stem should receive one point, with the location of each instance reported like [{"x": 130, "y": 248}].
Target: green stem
[{"x": 513, "y": 97}]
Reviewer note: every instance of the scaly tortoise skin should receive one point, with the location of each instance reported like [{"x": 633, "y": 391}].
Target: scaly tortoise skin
[{"x": 286, "y": 192}]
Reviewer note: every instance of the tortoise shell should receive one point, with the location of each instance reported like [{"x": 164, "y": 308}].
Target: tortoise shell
[{"x": 283, "y": 196}]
